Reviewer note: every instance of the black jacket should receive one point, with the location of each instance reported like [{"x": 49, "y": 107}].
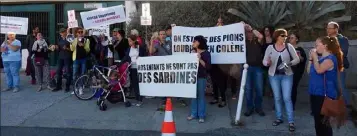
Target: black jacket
[
  {"x": 121, "y": 47},
  {"x": 29, "y": 42}
]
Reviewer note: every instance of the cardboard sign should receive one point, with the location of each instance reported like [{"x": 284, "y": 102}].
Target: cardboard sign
[
  {"x": 72, "y": 24},
  {"x": 168, "y": 76},
  {"x": 103, "y": 16},
  {"x": 18, "y": 25},
  {"x": 71, "y": 15}
]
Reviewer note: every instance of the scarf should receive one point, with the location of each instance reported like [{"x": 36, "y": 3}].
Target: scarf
[{"x": 39, "y": 44}]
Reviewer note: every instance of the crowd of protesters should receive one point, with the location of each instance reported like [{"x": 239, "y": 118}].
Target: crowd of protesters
[{"x": 280, "y": 62}]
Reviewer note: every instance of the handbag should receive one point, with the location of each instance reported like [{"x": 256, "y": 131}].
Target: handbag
[
  {"x": 334, "y": 110},
  {"x": 39, "y": 61}
]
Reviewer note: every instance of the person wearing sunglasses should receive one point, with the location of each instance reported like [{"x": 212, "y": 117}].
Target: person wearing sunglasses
[
  {"x": 80, "y": 48},
  {"x": 279, "y": 57}
]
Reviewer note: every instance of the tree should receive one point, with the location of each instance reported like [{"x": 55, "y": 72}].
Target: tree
[
  {"x": 261, "y": 13},
  {"x": 183, "y": 13},
  {"x": 313, "y": 14}
]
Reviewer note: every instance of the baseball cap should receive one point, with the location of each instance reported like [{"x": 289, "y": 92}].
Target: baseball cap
[
  {"x": 62, "y": 30},
  {"x": 115, "y": 30}
]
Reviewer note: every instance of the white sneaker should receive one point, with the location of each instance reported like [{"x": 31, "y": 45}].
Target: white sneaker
[
  {"x": 7, "y": 89},
  {"x": 73, "y": 92},
  {"x": 15, "y": 90}
]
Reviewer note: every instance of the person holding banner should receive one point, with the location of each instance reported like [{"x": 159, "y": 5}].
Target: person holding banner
[
  {"x": 11, "y": 57},
  {"x": 80, "y": 48},
  {"x": 198, "y": 104},
  {"x": 254, "y": 80},
  {"x": 162, "y": 48},
  {"x": 40, "y": 50},
  {"x": 279, "y": 57},
  {"x": 219, "y": 80},
  {"x": 132, "y": 55}
]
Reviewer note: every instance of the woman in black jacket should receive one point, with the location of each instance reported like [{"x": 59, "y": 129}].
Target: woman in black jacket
[
  {"x": 131, "y": 56},
  {"x": 119, "y": 46},
  {"x": 298, "y": 69}
]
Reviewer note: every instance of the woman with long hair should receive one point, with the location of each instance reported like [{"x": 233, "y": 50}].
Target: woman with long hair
[
  {"x": 153, "y": 40},
  {"x": 299, "y": 69},
  {"x": 267, "y": 40},
  {"x": 198, "y": 104},
  {"x": 42, "y": 66},
  {"x": 132, "y": 54},
  {"x": 323, "y": 73},
  {"x": 279, "y": 57}
]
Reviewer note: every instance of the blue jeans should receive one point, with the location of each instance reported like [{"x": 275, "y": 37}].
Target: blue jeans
[
  {"x": 198, "y": 104},
  {"x": 282, "y": 86},
  {"x": 254, "y": 77},
  {"x": 346, "y": 94},
  {"x": 76, "y": 64},
  {"x": 12, "y": 70}
]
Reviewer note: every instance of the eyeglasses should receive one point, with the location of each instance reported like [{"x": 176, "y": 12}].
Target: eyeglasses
[
  {"x": 329, "y": 28},
  {"x": 80, "y": 32},
  {"x": 283, "y": 35}
]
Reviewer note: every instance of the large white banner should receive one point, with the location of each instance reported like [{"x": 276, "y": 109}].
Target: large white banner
[
  {"x": 226, "y": 43},
  {"x": 103, "y": 16},
  {"x": 168, "y": 76},
  {"x": 19, "y": 25}
]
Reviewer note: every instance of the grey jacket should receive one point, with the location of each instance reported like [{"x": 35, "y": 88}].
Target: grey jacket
[{"x": 285, "y": 56}]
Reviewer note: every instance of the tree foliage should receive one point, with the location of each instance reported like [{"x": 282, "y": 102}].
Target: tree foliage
[{"x": 307, "y": 16}]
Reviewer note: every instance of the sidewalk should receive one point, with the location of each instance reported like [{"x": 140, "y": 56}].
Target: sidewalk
[{"x": 29, "y": 108}]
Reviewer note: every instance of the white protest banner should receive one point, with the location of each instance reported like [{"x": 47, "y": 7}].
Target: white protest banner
[
  {"x": 72, "y": 24},
  {"x": 103, "y": 16},
  {"x": 226, "y": 43},
  {"x": 71, "y": 15},
  {"x": 146, "y": 20},
  {"x": 18, "y": 25},
  {"x": 168, "y": 76},
  {"x": 101, "y": 30}
]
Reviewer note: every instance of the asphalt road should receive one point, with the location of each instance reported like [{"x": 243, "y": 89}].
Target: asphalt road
[{"x": 38, "y": 131}]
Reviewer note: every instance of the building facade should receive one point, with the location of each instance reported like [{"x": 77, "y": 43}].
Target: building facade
[{"x": 51, "y": 16}]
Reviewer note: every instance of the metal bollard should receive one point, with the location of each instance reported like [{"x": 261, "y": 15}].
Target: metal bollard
[{"x": 241, "y": 95}]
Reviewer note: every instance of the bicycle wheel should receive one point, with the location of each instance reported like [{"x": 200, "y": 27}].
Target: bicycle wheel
[{"x": 85, "y": 87}]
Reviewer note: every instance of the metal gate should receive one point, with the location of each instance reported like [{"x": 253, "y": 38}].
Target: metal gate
[{"x": 40, "y": 19}]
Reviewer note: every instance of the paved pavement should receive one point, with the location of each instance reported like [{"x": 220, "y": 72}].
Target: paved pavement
[{"x": 28, "y": 113}]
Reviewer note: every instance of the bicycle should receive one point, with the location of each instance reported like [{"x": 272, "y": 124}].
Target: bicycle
[{"x": 86, "y": 86}]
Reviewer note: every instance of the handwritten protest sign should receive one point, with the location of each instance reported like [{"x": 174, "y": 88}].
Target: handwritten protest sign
[
  {"x": 101, "y": 30},
  {"x": 171, "y": 76},
  {"x": 18, "y": 25},
  {"x": 226, "y": 43},
  {"x": 103, "y": 16}
]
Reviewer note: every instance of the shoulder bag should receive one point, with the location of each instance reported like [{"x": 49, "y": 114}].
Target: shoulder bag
[{"x": 334, "y": 110}]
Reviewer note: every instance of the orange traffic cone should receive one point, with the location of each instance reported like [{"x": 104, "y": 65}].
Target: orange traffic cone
[{"x": 168, "y": 128}]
